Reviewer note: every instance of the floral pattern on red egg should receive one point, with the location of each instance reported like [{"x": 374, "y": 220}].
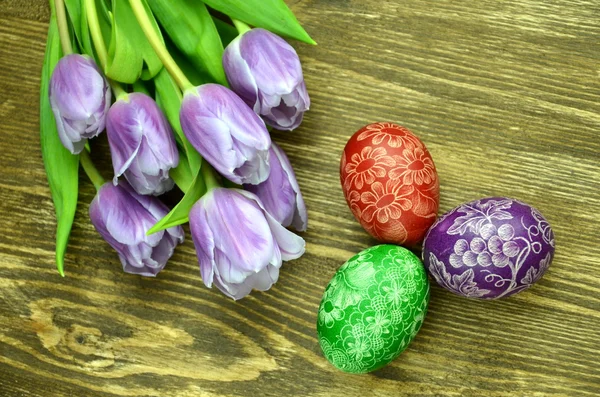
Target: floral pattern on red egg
[{"x": 390, "y": 183}]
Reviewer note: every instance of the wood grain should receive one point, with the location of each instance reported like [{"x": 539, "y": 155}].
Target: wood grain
[{"x": 506, "y": 95}]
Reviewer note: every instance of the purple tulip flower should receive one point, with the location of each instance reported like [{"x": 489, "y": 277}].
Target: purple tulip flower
[
  {"x": 240, "y": 246},
  {"x": 264, "y": 70},
  {"x": 280, "y": 193},
  {"x": 227, "y": 133},
  {"x": 141, "y": 144},
  {"x": 123, "y": 217},
  {"x": 79, "y": 97}
]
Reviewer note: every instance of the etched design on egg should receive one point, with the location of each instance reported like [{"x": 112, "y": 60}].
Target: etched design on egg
[
  {"x": 425, "y": 205},
  {"x": 507, "y": 253},
  {"x": 387, "y": 202},
  {"x": 353, "y": 201},
  {"x": 396, "y": 135},
  {"x": 534, "y": 274},
  {"x": 414, "y": 166},
  {"x": 387, "y": 311},
  {"x": 543, "y": 226},
  {"x": 329, "y": 314},
  {"x": 477, "y": 214},
  {"x": 385, "y": 159},
  {"x": 414, "y": 327},
  {"x": 365, "y": 167},
  {"x": 393, "y": 230},
  {"x": 338, "y": 357},
  {"x": 462, "y": 284},
  {"x": 350, "y": 284},
  {"x": 343, "y": 163},
  {"x": 499, "y": 247}
]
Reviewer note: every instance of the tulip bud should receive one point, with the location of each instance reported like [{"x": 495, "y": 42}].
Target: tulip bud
[
  {"x": 141, "y": 142},
  {"x": 79, "y": 97},
  {"x": 280, "y": 193},
  {"x": 227, "y": 133},
  {"x": 123, "y": 217},
  {"x": 264, "y": 70},
  {"x": 239, "y": 245}
]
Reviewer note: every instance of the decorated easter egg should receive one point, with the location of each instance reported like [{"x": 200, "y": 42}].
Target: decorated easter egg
[
  {"x": 390, "y": 183},
  {"x": 489, "y": 248},
  {"x": 372, "y": 308}
]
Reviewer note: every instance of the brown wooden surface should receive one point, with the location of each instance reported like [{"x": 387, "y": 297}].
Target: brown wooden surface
[{"x": 506, "y": 96}]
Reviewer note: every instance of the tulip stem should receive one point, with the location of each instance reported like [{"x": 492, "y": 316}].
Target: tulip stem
[
  {"x": 94, "y": 25},
  {"x": 240, "y": 26},
  {"x": 91, "y": 171},
  {"x": 120, "y": 93},
  {"x": 159, "y": 47},
  {"x": 209, "y": 177},
  {"x": 63, "y": 27},
  {"x": 99, "y": 45}
]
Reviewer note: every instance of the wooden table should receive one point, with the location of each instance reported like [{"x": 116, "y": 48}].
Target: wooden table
[{"x": 505, "y": 94}]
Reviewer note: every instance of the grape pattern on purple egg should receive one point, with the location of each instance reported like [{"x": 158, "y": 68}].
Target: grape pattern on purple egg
[{"x": 489, "y": 248}]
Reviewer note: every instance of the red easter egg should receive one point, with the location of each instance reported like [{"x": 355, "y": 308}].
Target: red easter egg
[{"x": 390, "y": 183}]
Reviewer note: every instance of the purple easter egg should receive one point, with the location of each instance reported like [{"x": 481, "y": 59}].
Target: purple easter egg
[{"x": 489, "y": 248}]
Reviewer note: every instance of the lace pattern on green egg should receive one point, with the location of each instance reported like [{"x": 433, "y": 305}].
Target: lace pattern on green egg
[{"x": 372, "y": 308}]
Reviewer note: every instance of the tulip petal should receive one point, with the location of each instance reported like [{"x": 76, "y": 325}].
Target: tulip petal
[
  {"x": 146, "y": 161},
  {"x": 255, "y": 170},
  {"x": 126, "y": 219},
  {"x": 245, "y": 126},
  {"x": 141, "y": 143},
  {"x": 304, "y": 103},
  {"x": 122, "y": 217},
  {"x": 273, "y": 62},
  {"x": 264, "y": 280},
  {"x": 157, "y": 131},
  {"x": 226, "y": 132},
  {"x": 75, "y": 85},
  {"x": 240, "y": 246},
  {"x": 97, "y": 218},
  {"x": 291, "y": 245},
  {"x": 280, "y": 193},
  {"x": 234, "y": 291},
  {"x": 240, "y": 76},
  {"x": 240, "y": 228},
  {"x": 124, "y": 135},
  {"x": 266, "y": 72},
  {"x": 79, "y": 96},
  {"x": 164, "y": 250},
  {"x": 229, "y": 272},
  {"x": 145, "y": 185},
  {"x": 204, "y": 242},
  {"x": 276, "y": 192}
]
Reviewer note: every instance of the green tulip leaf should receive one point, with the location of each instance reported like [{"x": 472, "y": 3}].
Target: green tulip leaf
[
  {"x": 227, "y": 31},
  {"x": 61, "y": 166},
  {"x": 130, "y": 55},
  {"x": 273, "y": 15},
  {"x": 74, "y": 12},
  {"x": 142, "y": 87},
  {"x": 85, "y": 40},
  {"x": 105, "y": 18},
  {"x": 195, "y": 75},
  {"x": 182, "y": 174},
  {"x": 168, "y": 97},
  {"x": 180, "y": 214},
  {"x": 191, "y": 28},
  {"x": 105, "y": 22}
]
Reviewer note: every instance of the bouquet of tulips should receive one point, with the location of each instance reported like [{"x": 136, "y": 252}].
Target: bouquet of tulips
[{"x": 185, "y": 90}]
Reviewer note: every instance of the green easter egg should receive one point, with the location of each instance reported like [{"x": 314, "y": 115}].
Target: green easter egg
[{"x": 372, "y": 308}]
